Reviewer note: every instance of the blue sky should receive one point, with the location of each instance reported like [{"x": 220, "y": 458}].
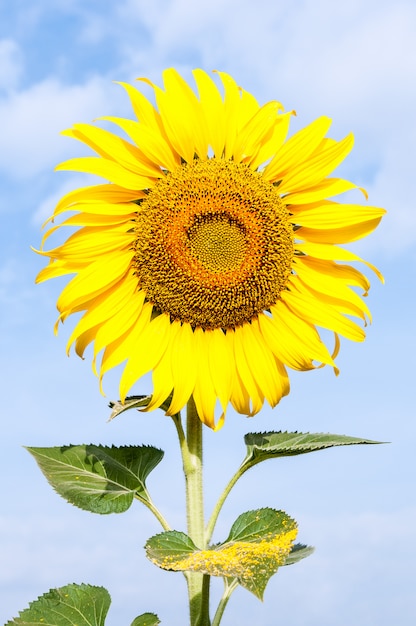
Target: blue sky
[{"x": 354, "y": 61}]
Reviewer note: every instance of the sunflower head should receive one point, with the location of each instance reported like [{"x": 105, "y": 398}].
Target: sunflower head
[
  {"x": 214, "y": 244},
  {"x": 211, "y": 256}
]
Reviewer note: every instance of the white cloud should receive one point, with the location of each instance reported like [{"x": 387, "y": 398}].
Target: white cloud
[
  {"x": 312, "y": 46},
  {"x": 35, "y": 117},
  {"x": 11, "y": 64}
]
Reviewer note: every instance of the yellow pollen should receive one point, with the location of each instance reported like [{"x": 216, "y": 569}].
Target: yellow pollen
[
  {"x": 242, "y": 558},
  {"x": 214, "y": 244}
]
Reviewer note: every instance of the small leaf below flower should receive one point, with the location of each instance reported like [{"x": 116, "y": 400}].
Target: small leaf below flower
[
  {"x": 72, "y": 605},
  {"x": 131, "y": 402},
  {"x": 135, "y": 402},
  {"x": 258, "y": 544},
  {"x": 99, "y": 479}
]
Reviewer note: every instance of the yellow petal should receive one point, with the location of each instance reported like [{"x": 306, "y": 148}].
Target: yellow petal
[
  {"x": 232, "y": 104},
  {"x": 325, "y": 189},
  {"x": 273, "y": 142},
  {"x": 183, "y": 366},
  {"x": 262, "y": 364},
  {"x": 114, "y": 148},
  {"x": 204, "y": 393},
  {"x": 321, "y": 310},
  {"x": 220, "y": 359},
  {"x": 321, "y": 163},
  {"x": 107, "y": 194},
  {"x": 105, "y": 306},
  {"x": 333, "y": 272},
  {"x": 212, "y": 107},
  {"x": 245, "y": 372},
  {"x": 333, "y": 253},
  {"x": 331, "y": 279},
  {"x": 255, "y": 131},
  {"x": 144, "y": 110},
  {"x": 147, "y": 353},
  {"x": 298, "y": 148},
  {"x": 342, "y": 300},
  {"x": 182, "y": 117},
  {"x": 98, "y": 217},
  {"x": 84, "y": 339},
  {"x": 332, "y": 215},
  {"x": 247, "y": 109},
  {"x": 301, "y": 338},
  {"x": 94, "y": 279},
  {"x": 120, "y": 322},
  {"x": 120, "y": 349},
  {"x": 107, "y": 169},
  {"x": 239, "y": 396},
  {"x": 339, "y": 235},
  {"x": 153, "y": 143},
  {"x": 93, "y": 242},
  {"x": 284, "y": 344},
  {"x": 103, "y": 220},
  {"x": 162, "y": 376},
  {"x": 57, "y": 268}
]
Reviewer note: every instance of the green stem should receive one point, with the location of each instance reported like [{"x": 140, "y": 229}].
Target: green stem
[
  {"x": 193, "y": 475},
  {"x": 191, "y": 450},
  {"x": 229, "y": 588},
  {"x": 214, "y": 516}
]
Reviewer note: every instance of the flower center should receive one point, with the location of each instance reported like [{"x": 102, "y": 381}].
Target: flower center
[
  {"x": 218, "y": 242},
  {"x": 214, "y": 244}
]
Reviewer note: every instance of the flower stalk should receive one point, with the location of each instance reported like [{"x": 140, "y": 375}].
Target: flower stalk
[{"x": 198, "y": 584}]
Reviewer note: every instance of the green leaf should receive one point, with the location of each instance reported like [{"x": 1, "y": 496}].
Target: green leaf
[
  {"x": 99, "y": 479},
  {"x": 298, "y": 552},
  {"x": 72, "y": 605},
  {"x": 258, "y": 544},
  {"x": 262, "y": 446},
  {"x": 169, "y": 548},
  {"x": 147, "y": 619},
  {"x": 256, "y": 525}
]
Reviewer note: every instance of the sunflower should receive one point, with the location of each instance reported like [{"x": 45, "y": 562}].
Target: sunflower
[{"x": 210, "y": 257}]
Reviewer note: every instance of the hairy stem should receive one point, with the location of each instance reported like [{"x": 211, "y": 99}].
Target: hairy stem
[{"x": 191, "y": 449}]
